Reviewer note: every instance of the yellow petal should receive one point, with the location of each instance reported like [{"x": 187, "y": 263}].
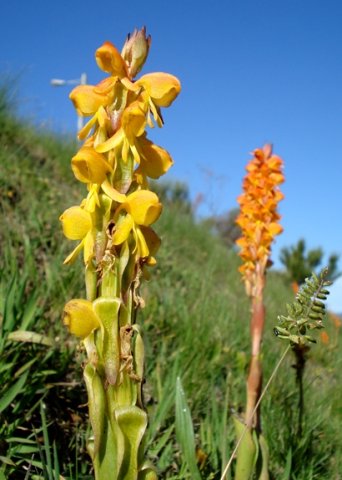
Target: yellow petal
[
  {"x": 80, "y": 318},
  {"x": 109, "y": 60},
  {"x": 92, "y": 201},
  {"x": 90, "y": 166},
  {"x": 112, "y": 193},
  {"x": 76, "y": 223},
  {"x": 87, "y": 127},
  {"x": 142, "y": 245},
  {"x": 132, "y": 86},
  {"x": 86, "y": 100},
  {"x": 155, "y": 161},
  {"x": 152, "y": 239},
  {"x": 123, "y": 229},
  {"x": 106, "y": 86},
  {"x": 163, "y": 88},
  {"x": 74, "y": 254},
  {"x": 144, "y": 206},
  {"x": 113, "y": 142},
  {"x": 156, "y": 113},
  {"x": 151, "y": 262},
  {"x": 274, "y": 228},
  {"x": 133, "y": 120},
  {"x": 89, "y": 244}
]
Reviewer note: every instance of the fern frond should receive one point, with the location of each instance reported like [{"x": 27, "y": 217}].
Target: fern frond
[{"x": 306, "y": 313}]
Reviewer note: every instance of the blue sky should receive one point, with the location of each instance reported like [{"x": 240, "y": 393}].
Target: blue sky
[{"x": 252, "y": 72}]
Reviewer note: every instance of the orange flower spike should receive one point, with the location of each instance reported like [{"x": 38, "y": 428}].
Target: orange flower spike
[{"x": 258, "y": 218}]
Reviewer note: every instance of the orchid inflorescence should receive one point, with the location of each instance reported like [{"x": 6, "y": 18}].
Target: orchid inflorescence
[
  {"x": 113, "y": 228},
  {"x": 258, "y": 218},
  {"x": 259, "y": 222}
]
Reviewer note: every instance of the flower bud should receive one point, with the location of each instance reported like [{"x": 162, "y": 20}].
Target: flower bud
[{"x": 135, "y": 51}]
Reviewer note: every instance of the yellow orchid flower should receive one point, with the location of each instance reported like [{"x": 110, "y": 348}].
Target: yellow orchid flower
[
  {"x": 80, "y": 318},
  {"x": 87, "y": 99},
  {"x": 143, "y": 208},
  {"x": 160, "y": 90},
  {"x": 78, "y": 225},
  {"x": 113, "y": 227},
  {"x": 110, "y": 61},
  {"x": 154, "y": 160},
  {"x": 90, "y": 166},
  {"x": 133, "y": 123}
]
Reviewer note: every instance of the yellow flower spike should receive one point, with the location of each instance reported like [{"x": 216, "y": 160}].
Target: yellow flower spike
[
  {"x": 154, "y": 160},
  {"x": 112, "y": 226},
  {"x": 90, "y": 166},
  {"x": 109, "y": 60},
  {"x": 163, "y": 88},
  {"x": 144, "y": 206},
  {"x": 79, "y": 317},
  {"x": 76, "y": 223}
]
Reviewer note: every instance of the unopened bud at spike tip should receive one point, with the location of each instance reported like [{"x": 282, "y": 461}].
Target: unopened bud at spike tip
[{"x": 135, "y": 51}]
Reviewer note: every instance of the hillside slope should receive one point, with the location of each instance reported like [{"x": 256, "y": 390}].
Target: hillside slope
[{"x": 195, "y": 324}]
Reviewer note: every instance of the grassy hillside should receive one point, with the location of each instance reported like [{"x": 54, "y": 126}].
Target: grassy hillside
[{"x": 195, "y": 325}]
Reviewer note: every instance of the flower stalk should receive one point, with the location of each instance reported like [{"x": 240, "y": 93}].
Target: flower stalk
[
  {"x": 259, "y": 222},
  {"x": 113, "y": 228},
  {"x": 305, "y": 313}
]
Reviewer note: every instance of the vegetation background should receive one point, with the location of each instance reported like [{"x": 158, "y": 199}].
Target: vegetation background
[{"x": 195, "y": 325}]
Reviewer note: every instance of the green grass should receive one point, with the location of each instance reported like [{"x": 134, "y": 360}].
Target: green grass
[{"x": 195, "y": 326}]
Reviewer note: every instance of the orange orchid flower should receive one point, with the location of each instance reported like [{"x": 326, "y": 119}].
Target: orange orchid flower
[{"x": 258, "y": 218}]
